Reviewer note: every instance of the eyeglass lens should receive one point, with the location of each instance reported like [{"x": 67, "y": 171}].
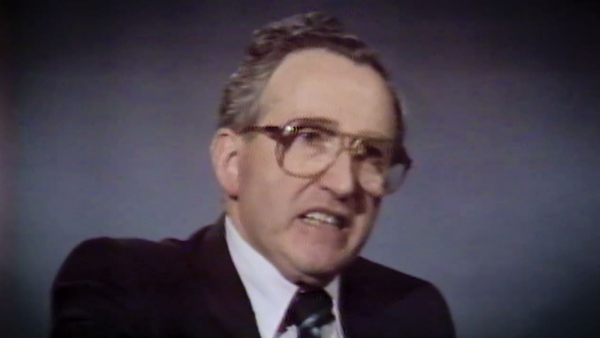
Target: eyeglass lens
[{"x": 308, "y": 151}]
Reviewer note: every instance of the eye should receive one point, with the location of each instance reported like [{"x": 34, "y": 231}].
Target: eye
[
  {"x": 376, "y": 156},
  {"x": 312, "y": 135},
  {"x": 373, "y": 152}
]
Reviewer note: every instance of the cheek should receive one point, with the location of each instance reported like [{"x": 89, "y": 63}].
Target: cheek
[
  {"x": 366, "y": 220},
  {"x": 262, "y": 183},
  {"x": 254, "y": 168}
]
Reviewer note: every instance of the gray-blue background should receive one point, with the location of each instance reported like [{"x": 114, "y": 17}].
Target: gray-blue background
[{"x": 115, "y": 103}]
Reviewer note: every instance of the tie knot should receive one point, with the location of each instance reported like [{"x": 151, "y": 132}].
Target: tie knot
[{"x": 310, "y": 310}]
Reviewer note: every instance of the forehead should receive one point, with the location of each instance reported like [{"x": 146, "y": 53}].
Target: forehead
[{"x": 319, "y": 83}]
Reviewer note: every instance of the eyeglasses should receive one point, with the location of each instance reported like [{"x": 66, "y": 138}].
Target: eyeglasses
[{"x": 307, "y": 147}]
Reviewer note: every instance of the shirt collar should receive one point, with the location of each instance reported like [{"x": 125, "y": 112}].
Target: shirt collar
[{"x": 269, "y": 292}]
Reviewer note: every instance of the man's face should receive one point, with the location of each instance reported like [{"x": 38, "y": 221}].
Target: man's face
[{"x": 271, "y": 207}]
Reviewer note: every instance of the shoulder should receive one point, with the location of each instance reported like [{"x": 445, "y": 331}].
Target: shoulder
[
  {"x": 403, "y": 303},
  {"x": 116, "y": 286},
  {"x": 125, "y": 260},
  {"x": 124, "y": 248},
  {"x": 384, "y": 288},
  {"x": 382, "y": 278},
  {"x": 109, "y": 255}
]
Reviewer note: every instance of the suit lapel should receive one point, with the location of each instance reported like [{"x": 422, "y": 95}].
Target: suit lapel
[
  {"x": 354, "y": 306},
  {"x": 223, "y": 291}
]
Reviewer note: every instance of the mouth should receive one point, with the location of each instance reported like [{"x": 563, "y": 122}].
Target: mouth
[{"x": 323, "y": 217}]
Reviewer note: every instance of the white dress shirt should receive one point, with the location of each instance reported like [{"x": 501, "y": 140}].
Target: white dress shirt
[{"x": 269, "y": 292}]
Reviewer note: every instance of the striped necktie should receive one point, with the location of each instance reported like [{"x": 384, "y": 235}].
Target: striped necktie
[{"x": 309, "y": 311}]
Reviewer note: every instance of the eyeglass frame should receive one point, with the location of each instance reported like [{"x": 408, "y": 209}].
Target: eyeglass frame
[{"x": 279, "y": 133}]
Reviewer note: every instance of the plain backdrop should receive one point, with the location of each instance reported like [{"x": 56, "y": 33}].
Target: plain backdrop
[{"x": 113, "y": 104}]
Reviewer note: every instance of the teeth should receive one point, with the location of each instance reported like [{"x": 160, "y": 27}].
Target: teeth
[{"x": 320, "y": 217}]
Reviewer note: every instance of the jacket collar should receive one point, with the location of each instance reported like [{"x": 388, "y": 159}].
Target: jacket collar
[
  {"x": 355, "y": 307},
  {"x": 222, "y": 289}
]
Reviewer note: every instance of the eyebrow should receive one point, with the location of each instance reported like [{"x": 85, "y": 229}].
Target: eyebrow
[
  {"x": 320, "y": 121},
  {"x": 373, "y": 135}
]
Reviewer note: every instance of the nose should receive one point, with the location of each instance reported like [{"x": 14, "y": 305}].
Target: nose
[{"x": 340, "y": 177}]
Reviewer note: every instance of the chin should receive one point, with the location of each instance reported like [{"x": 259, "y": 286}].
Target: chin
[{"x": 322, "y": 265}]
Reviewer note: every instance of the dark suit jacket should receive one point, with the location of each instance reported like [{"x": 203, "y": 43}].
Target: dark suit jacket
[{"x": 138, "y": 288}]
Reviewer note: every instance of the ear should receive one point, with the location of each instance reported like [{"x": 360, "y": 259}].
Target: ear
[{"x": 225, "y": 155}]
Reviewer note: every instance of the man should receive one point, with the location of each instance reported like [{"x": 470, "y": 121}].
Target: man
[{"x": 309, "y": 142}]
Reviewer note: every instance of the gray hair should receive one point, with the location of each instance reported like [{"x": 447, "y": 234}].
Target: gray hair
[{"x": 271, "y": 44}]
